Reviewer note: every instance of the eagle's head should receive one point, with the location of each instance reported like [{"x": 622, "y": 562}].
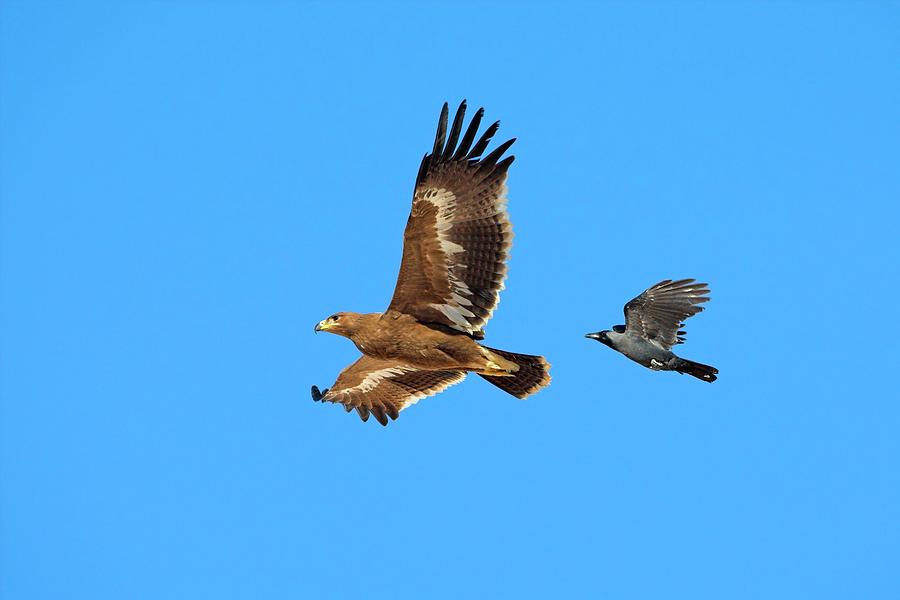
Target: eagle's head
[
  {"x": 348, "y": 324},
  {"x": 340, "y": 323}
]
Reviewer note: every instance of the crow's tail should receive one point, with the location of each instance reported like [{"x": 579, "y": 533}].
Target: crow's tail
[
  {"x": 698, "y": 370},
  {"x": 533, "y": 374}
]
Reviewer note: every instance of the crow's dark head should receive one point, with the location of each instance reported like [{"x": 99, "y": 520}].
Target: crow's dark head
[{"x": 600, "y": 336}]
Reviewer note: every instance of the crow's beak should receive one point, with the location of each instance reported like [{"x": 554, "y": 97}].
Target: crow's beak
[{"x": 593, "y": 336}]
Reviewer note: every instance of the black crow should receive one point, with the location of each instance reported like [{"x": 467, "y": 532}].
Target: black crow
[{"x": 654, "y": 324}]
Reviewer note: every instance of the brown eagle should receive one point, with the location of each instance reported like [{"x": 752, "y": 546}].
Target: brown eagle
[{"x": 455, "y": 247}]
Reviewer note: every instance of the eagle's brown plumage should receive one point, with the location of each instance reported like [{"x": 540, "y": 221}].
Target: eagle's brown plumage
[
  {"x": 458, "y": 235},
  {"x": 455, "y": 247},
  {"x": 383, "y": 388}
]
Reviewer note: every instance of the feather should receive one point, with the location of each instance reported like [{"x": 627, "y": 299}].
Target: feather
[
  {"x": 483, "y": 142},
  {"x": 439, "y": 136},
  {"x": 488, "y": 162},
  {"x": 454, "y": 131},
  {"x": 471, "y": 130}
]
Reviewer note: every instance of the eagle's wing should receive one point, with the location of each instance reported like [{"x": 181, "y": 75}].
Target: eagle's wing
[
  {"x": 458, "y": 234},
  {"x": 658, "y": 313},
  {"x": 384, "y": 388}
]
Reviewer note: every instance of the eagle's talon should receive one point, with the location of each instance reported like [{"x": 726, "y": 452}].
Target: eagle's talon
[{"x": 316, "y": 394}]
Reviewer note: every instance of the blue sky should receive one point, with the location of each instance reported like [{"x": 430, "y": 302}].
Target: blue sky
[{"x": 187, "y": 188}]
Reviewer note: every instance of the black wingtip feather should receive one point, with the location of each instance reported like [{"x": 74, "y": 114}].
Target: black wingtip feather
[
  {"x": 378, "y": 411},
  {"x": 392, "y": 411},
  {"x": 423, "y": 169},
  {"x": 499, "y": 170},
  {"x": 440, "y": 136},
  {"x": 488, "y": 162},
  {"x": 454, "y": 131},
  {"x": 484, "y": 140},
  {"x": 471, "y": 130}
]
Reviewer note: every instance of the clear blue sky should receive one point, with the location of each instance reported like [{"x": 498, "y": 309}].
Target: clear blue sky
[{"x": 187, "y": 188}]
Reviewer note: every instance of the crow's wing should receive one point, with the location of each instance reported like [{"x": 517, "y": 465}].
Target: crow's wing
[
  {"x": 384, "y": 388},
  {"x": 458, "y": 235},
  {"x": 658, "y": 313}
]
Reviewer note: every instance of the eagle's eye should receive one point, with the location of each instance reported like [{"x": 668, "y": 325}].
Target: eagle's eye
[{"x": 333, "y": 318}]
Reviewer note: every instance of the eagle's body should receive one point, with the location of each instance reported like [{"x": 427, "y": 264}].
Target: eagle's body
[
  {"x": 654, "y": 325},
  {"x": 399, "y": 337},
  {"x": 455, "y": 247}
]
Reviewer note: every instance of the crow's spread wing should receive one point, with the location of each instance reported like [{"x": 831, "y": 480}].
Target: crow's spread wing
[{"x": 658, "y": 313}]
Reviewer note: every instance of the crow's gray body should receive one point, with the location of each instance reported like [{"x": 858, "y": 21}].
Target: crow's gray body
[
  {"x": 654, "y": 325},
  {"x": 641, "y": 350}
]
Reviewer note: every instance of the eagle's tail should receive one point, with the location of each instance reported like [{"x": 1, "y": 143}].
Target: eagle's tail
[
  {"x": 698, "y": 370},
  {"x": 533, "y": 374}
]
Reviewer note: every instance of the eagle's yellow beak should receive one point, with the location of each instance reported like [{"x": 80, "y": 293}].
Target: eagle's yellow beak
[{"x": 322, "y": 326}]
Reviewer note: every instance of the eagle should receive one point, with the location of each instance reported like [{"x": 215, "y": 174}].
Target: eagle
[
  {"x": 654, "y": 324},
  {"x": 455, "y": 247}
]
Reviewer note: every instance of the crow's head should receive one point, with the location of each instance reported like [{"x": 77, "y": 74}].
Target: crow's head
[{"x": 600, "y": 336}]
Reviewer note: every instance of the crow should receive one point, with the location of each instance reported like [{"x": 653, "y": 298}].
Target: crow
[{"x": 654, "y": 322}]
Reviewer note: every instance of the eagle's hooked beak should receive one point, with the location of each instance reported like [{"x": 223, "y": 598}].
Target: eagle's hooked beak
[{"x": 324, "y": 325}]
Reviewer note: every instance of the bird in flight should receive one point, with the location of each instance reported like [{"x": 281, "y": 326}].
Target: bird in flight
[
  {"x": 455, "y": 248},
  {"x": 653, "y": 325}
]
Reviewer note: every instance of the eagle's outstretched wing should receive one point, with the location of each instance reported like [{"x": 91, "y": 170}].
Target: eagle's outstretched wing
[
  {"x": 458, "y": 235},
  {"x": 384, "y": 388},
  {"x": 658, "y": 313}
]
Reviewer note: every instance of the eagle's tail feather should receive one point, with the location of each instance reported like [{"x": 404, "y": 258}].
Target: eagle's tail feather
[
  {"x": 533, "y": 374},
  {"x": 698, "y": 370}
]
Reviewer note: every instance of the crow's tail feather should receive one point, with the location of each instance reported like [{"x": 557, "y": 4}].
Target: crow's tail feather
[
  {"x": 533, "y": 374},
  {"x": 698, "y": 370}
]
